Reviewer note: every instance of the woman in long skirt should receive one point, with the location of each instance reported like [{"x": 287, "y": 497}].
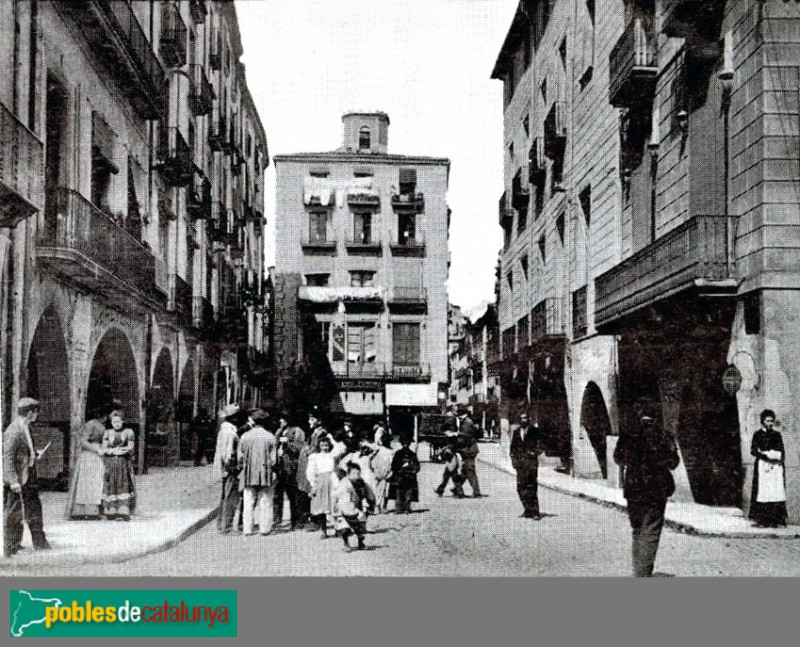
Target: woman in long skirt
[
  {"x": 321, "y": 474},
  {"x": 768, "y": 501},
  {"x": 119, "y": 494},
  {"x": 86, "y": 490},
  {"x": 381, "y": 464}
]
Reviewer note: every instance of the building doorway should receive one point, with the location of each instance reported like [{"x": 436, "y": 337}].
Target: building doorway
[
  {"x": 162, "y": 441},
  {"x": 595, "y": 420}
]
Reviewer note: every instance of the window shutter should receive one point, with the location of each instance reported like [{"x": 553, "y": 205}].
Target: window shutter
[{"x": 408, "y": 176}]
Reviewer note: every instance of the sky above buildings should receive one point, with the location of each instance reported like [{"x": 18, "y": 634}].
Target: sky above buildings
[{"x": 424, "y": 62}]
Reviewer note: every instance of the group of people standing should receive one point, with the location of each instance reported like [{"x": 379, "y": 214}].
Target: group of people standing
[{"x": 331, "y": 481}]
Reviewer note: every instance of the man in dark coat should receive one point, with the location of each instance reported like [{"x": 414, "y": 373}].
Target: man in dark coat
[
  {"x": 291, "y": 441},
  {"x": 468, "y": 448},
  {"x": 202, "y": 432},
  {"x": 648, "y": 455},
  {"x": 20, "y": 489},
  {"x": 525, "y": 449}
]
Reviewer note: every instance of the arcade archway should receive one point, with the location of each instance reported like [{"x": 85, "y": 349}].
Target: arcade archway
[
  {"x": 185, "y": 410},
  {"x": 162, "y": 441},
  {"x": 48, "y": 381}
]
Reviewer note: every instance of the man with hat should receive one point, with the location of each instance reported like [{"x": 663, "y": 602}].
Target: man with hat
[
  {"x": 291, "y": 441},
  {"x": 468, "y": 448},
  {"x": 226, "y": 466},
  {"x": 20, "y": 491},
  {"x": 257, "y": 457}
]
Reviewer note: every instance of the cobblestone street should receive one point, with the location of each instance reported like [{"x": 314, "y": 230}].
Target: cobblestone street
[{"x": 448, "y": 537}]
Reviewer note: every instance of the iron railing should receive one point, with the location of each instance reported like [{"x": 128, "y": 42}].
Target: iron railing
[{"x": 632, "y": 63}]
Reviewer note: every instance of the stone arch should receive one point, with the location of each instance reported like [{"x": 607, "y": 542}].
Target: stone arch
[
  {"x": 596, "y": 423},
  {"x": 113, "y": 377},
  {"x": 161, "y": 436},
  {"x": 185, "y": 408},
  {"x": 48, "y": 380}
]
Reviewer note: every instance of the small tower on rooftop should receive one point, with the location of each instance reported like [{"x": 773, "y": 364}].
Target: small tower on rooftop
[{"x": 366, "y": 132}]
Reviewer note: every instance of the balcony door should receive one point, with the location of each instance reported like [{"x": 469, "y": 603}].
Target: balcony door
[
  {"x": 362, "y": 348},
  {"x": 56, "y": 115},
  {"x": 406, "y": 344}
]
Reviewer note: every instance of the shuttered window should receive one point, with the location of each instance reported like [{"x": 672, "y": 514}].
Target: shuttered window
[{"x": 405, "y": 344}]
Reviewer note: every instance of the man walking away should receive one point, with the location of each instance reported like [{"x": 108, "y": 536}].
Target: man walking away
[
  {"x": 525, "y": 460},
  {"x": 648, "y": 455},
  {"x": 20, "y": 489},
  {"x": 257, "y": 457},
  {"x": 468, "y": 448},
  {"x": 202, "y": 430}
]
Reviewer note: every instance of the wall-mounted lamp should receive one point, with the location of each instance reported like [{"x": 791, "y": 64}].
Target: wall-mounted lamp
[
  {"x": 653, "y": 147},
  {"x": 682, "y": 119}
]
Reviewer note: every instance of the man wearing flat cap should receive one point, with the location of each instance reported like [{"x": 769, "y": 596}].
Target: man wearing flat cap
[
  {"x": 20, "y": 491},
  {"x": 257, "y": 457},
  {"x": 225, "y": 466}
]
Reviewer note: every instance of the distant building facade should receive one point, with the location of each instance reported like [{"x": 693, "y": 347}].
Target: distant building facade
[
  {"x": 131, "y": 222},
  {"x": 360, "y": 277},
  {"x": 649, "y": 221}
]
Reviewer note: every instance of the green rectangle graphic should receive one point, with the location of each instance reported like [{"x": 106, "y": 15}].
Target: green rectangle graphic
[{"x": 122, "y": 613}]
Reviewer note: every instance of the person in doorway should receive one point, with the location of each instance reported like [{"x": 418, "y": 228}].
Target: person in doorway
[
  {"x": 257, "y": 457},
  {"x": 353, "y": 501},
  {"x": 21, "y": 501},
  {"x": 119, "y": 491},
  {"x": 405, "y": 466},
  {"x": 321, "y": 474},
  {"x": 768, "y": 499},
  {"x": 226, "y": 467},
  {"x": 85, "y": 499},
  {"x": 525, "y": 449},
  {"x": 202, "y": 431},
  {"x": 468, "y": 448},
  {"x": 648, "y": 455},
  {"x": 291, "y": 441}
]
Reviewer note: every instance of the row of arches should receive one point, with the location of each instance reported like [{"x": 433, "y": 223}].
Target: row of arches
[{"x": 113, "y": 376}]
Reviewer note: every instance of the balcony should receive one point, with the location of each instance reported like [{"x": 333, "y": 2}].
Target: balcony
[
  {"x": 632, "y": 63},
  {"x": 555, "y": 130},
  {"x": 172, "y": 44},
  {"x": 174, "y": 158},
  {"x": 409, "y": 296},
  {"x": 215, "y": 55},
  {"x": 547, "y": 320},
  {"x": 198, "y": 10},
  {"x": 121, "y": 45},
  {"x": 695, "y": 20},
  {"x": 83, "y": 245},
  {"x": 364, "y": 198},
  {"x": 520, "y": 191},
  {"x": 198, "y": 197},
  {"x": 318, "y": 241},
  {"x": 21, "y": 170},
  {"x": 364, "y": 243},
  {"x": 218, "y": 134},
  {"x": 345, "y": 293},
  {"x": 694, "y": 256},
  {"x": 202, "y": 96},
  {"x": 580, "y": 313},
  {"x": 179, "y": 300},
  {"x": 219, "y": 234},
  {"x": 416, "y": 373},
  {"x": 357, "y": 371},
  {"x": 409, "y": 243},
  {"x": 203, "y": 315},
  {"x": 537, "y": 167},
  {"x": 408, "y": 202},
  {"x": 506, "y": 215}
]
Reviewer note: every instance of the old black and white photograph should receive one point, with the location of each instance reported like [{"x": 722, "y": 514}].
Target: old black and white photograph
[{"x": 422, "y": 288}]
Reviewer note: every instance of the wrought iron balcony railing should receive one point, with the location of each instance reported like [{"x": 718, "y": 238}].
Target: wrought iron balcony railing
[
  {"x": 203, "y": 314},
  {"x": 173, "y": 41},
  {"x": 520, "y": 191},
  {"x": 412, "y": 373},
  {"x": 632, "y": 63},
  {"x": 548, "y": 319},
  {"x": 409, "y": 243},
  {"x": 179, "y": 300},
  {"x": 175, "y": 157},
  {"x": 413, "y": 202},
  {"x": 198, "y": 196},
  {"x": 202, "y": 96},
  {"x": 21, "y": 170},
  {"x": 408, "y": 295}
]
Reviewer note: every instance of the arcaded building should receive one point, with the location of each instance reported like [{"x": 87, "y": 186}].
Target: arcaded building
[
  {"x": 131, "y": 220},
  {"x": 360, "y": 277},
  {"x": 650, "y": 221}
]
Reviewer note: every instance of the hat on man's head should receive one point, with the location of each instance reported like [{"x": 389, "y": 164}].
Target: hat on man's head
[
  {"x": 229, "y": 410},
  {"x": 258, "y": 415},
  {"x": 27, "y": 404}
]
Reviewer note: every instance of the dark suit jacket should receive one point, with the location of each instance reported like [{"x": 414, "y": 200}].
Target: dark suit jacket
[
  {"x": 468, "y": 438},
  {"x": 525, "y": 453},
  {"x": 16, "y": 454},
  {"x": 649, "y": 455}
]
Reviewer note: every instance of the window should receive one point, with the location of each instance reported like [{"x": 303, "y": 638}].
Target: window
[
  {"x": 585, "y": 198},
  {"x": 560, "y": 227},
  {"x": 407, "y": 228},
  {"x": 362, "y": 343},
  {"x": 103, "y": 166},
  {"x": 318, "y": 280},
  {"x": 510, "y": 280},
  {"x": 752, "y": 313},
  {"x": 511, "y": 151},
  {"x": 562, "y": 50},
  {"x": 522, "y": 220},
  {"x": 363, "y": 172},
  {"x": 506, "y": 236},
  {"x": 364, "y": 138},
  {"x": 406, "y": 344},
  {"x": 362, "y": 228},
  {"x": 319, "y": 173},
  {"x": 542, "y": 249},
  {"x": 590, "y": 9},
  {"x": 524, "y": 263},
  {"x": 526, "y": 125},
  {"x": 362, "y": 278},
  {"x": 408, "y": 181},
  {"x": 318, "y": 227},
  {"x": 543, "y": 90}
]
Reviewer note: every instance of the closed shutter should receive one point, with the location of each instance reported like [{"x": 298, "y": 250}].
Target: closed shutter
[{"x": 405, "y": 344}]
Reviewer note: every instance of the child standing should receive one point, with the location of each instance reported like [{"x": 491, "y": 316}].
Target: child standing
[
  {"x": 353, "y": 501},
  {"x": 321, "y": 474}
]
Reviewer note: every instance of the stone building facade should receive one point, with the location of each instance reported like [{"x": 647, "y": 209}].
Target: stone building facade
[
  {"x": 651, "y": 223},
  {"x": 360, "y": 277},
  {"x": 131, "y": 225}
]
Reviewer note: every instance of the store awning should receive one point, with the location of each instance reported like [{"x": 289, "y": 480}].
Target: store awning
[
  {"x": 325, "y": 294},
  {"x": 411, "y": 395}
]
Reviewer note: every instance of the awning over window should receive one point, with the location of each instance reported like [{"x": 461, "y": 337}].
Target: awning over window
[
  {"x": 327, "y": 190},
  {"x": 411, "y": 395},
  {"x": 326, "y": 294}
]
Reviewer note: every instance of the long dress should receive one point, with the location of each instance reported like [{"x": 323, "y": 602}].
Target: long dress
[
  {"x": 321, "y": 473},
  {"x": 768, "y": 500},
  {"x": 86, "y": 489},
  {"x": 119, "y": 493}
]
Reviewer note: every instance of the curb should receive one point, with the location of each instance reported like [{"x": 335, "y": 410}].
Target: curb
[{"x": 680, "y": 526}]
